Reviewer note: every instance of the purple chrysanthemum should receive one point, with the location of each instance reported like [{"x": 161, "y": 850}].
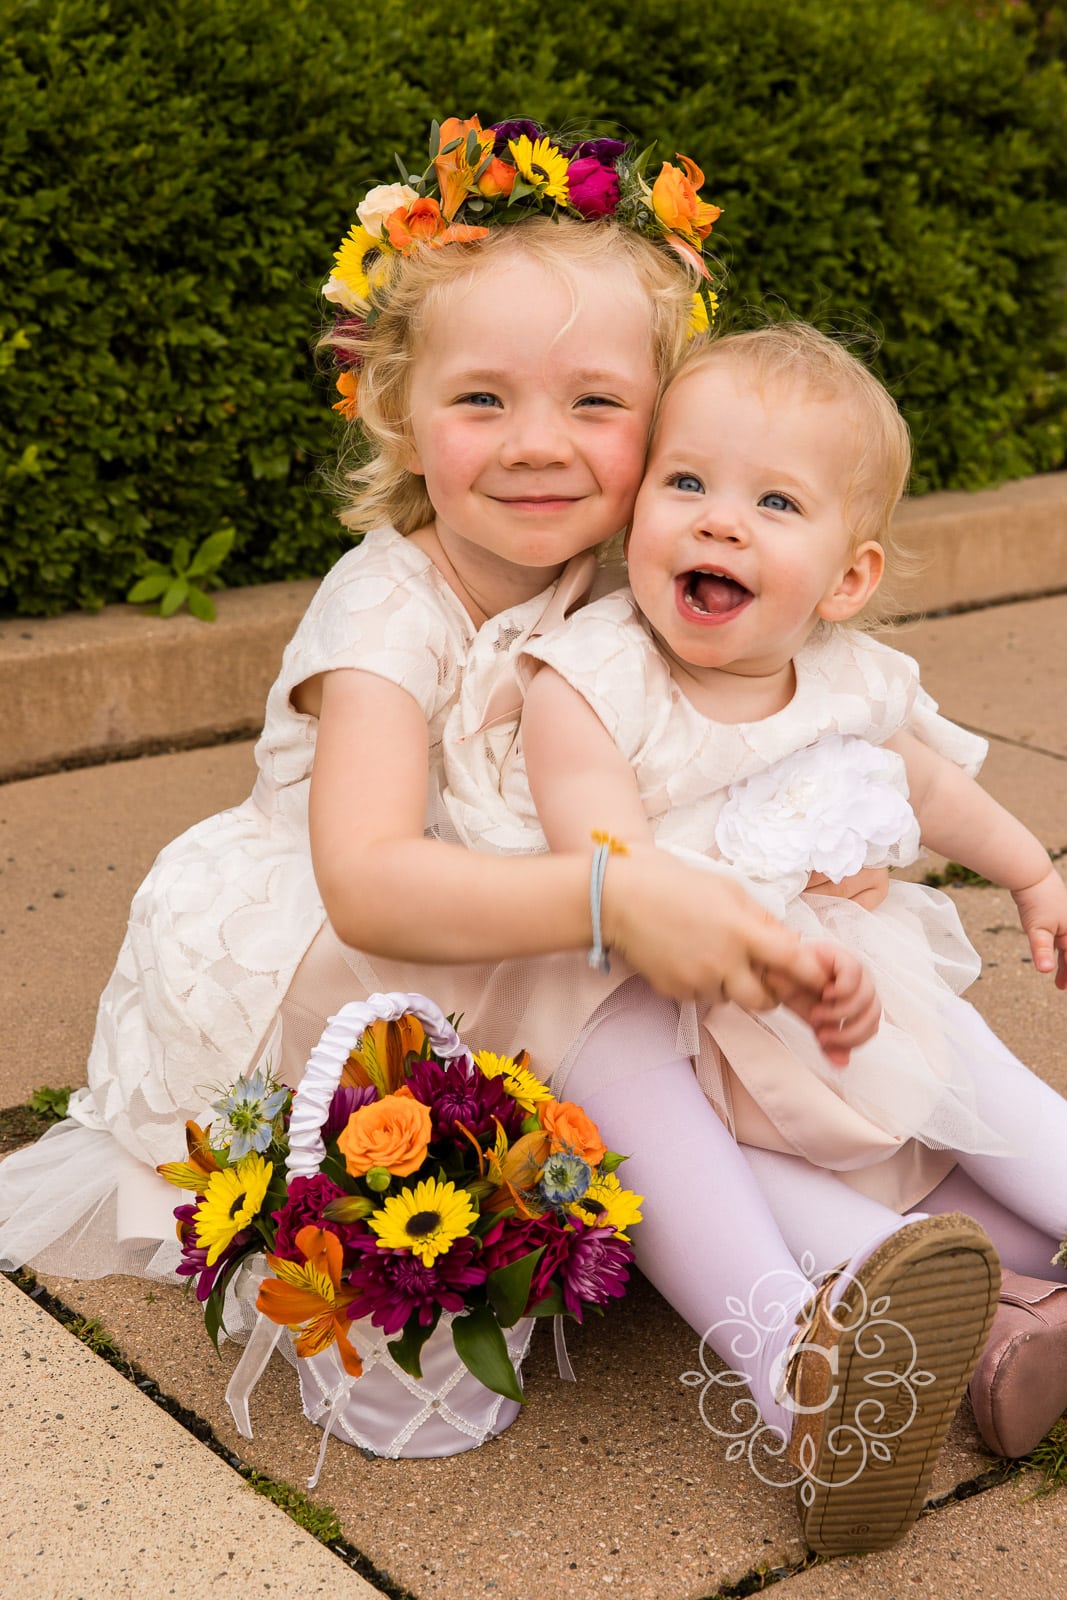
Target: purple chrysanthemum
[
  {"x": 193, "y": 1263},
  {"x": 595, "y": 1268},
  {"x": 306, "y": 1200},
  {"x": 458, "y": 1092},
  {"x": 393, "y": 1285},
  {"x": 345, "y": 1100}
]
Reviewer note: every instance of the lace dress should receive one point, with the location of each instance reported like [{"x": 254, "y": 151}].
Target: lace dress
[
  {"x": 808, "y": 789},
  {"x": 228, "y": 958}
]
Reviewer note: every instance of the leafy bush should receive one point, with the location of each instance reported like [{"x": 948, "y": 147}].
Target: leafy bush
[{"x": 173, "y": 179}]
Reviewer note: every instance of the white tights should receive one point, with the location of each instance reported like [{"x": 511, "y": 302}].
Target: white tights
[{"x": 725, "y": 1225}]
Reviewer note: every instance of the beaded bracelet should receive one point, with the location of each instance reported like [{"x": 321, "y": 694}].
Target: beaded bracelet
[{"x": 606, "y": 846}]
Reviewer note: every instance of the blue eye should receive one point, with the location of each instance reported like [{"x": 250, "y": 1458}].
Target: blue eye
[
  {"x": 687, "y": 482},
  {"x": 482, "y": 400},
  {"x": 778, "y": 502},
  {"x": 597, "y": 400}
]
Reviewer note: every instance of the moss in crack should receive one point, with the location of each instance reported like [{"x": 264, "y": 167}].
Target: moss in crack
[
  {"x": 322, "y": 1522},
  {"x": 1049, "y": 1458}
]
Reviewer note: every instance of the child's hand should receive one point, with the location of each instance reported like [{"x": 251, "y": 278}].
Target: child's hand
[
  {"x": 1043, "y": 913},
  {"x": 868, "y": 887},
  {"x": 848, "y": 1011}
]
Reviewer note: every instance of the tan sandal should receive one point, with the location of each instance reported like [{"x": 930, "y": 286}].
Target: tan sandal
[{"x": 876, "y": 1379}]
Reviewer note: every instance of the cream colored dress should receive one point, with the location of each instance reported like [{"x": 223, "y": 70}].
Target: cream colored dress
[
  {"x": 809, "y": 789},
  {"x": 228, "y": 959}
]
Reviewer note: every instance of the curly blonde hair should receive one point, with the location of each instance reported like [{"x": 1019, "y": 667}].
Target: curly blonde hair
[
  {"x": 372, "y": 473},
  {"x": 796, "y": 355}
]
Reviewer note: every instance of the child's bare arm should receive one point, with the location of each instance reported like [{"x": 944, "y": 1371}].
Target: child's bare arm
[
  {"x": 960, "y": 820},
  {"x": 580, "y": 780},
  {"x": 391, "y": 891}
]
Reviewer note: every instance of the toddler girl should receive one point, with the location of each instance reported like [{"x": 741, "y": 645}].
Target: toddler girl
[
  {"x": 506, "y": 380},
  {"x": 721, "y": 710}
]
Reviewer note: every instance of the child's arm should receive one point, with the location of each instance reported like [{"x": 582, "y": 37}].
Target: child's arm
[
  {"x": 390, "y": 891},
  {"x": 580, "y": 780},
  {"x": 958, "y": 819}
]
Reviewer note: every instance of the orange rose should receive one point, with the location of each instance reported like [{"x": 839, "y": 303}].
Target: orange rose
[
  {"x": 677, "y": 204},
  {"x": 422, "y": 223},
  {"x": 455, "y": 174},
  {"x": 498, "y": 179},
  {"x": 569, "y": 1128},
  {"x": 393, "y": 1133}
]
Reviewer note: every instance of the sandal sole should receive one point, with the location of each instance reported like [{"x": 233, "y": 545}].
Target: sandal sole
[{"x": 930, "y": 1294}]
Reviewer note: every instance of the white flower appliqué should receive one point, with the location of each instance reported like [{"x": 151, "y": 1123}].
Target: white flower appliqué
[{"x": 834, "y": 807}]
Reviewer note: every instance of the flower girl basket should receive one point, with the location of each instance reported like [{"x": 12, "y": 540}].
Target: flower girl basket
[{"x": 386, "y": 1411}]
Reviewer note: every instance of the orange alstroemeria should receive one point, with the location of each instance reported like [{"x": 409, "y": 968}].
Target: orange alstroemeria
[
  {"x": 194, "y": 1173},
  {"x": 516, "y": 1172},
  {"x": 677, "y": 204},
  {"x": 455, "y": 172},
  {"x": 379, "y": 1058},
  {"x": 307, "y": 1297},
  {"x": 348, "y": 389},
  {"x": 422, "y": 223}
]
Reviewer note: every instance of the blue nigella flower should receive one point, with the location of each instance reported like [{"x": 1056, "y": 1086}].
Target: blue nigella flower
[
  {"x": 250, "y": 1109},
  {"x": 565, "y": 1178}
]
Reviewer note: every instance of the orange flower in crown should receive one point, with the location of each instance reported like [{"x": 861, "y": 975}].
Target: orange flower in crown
[
  {"x": 422, "y": 222},
  {"x": 677, "y": 204},
  {"x": 462, "y": 150}
]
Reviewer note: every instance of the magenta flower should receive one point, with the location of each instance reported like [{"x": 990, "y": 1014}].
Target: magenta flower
[
  {"x": 193, "y": 1263},
  {"x": 306, "y": 1200},
  {"x": 393, "y": 1285},
  {"x": 458, "y": 1092},
  {"x": 595, "y": 1268},
  {"x": 512, "y": 1237},
  {"x": 592, "y": 188},
  {"x": 345, "y": 1100}
]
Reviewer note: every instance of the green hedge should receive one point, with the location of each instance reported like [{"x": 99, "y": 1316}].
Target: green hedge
[{"x": 174, "y": 177}]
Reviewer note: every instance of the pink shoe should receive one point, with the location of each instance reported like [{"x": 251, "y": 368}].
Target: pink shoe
[{"x": 1019, "y": 1387}]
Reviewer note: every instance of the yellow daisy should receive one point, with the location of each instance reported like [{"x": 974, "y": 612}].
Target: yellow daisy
[
  {"x": 358, "y": 263},
  {"x": 542, "y": 166},
  {"x": 613, "y": 1206},
  {"x": 519, "y": 1082},
  {"x": 231, "y": 1202},
  {"x": 426, "y": 1220},
  {"x": 699, "y": 321}
]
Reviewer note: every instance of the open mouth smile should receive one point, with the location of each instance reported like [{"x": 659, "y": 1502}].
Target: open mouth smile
[{"x": 707, "y": 595}]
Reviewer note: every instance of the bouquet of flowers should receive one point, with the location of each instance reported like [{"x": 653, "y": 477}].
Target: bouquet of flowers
[{"x": 407, "y": 1177}]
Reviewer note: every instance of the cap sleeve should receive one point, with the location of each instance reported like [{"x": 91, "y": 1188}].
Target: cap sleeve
[{"x": 898, "y": 701}]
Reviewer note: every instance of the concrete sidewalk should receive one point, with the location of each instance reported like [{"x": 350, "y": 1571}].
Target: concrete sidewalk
[{"x": 614, "y": 1484}]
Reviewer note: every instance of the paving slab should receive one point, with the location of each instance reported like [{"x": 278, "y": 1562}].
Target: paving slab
[
  {"x": 1009, "y": 1543},
  {"x": 104, "y": 1494}
]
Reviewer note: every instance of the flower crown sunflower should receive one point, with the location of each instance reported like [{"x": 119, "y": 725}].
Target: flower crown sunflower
[{"x": 478, "y": 178}]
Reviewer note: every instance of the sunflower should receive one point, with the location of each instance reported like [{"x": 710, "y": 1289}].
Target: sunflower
[
  {"x": 425, "y": 1220},
  {"x": 358, "y": 264},
  {"x": 612, "y": 1205},
  {"x": 231, "y": 1202},
  {"x": 542, "y": 166},
  {"x": 524, "y": 1088}
]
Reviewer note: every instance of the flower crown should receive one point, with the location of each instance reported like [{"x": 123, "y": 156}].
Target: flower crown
[{"x": 478, "y": 178}]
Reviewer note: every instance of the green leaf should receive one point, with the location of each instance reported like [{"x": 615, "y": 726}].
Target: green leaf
[
  {"x": 182, "y": 552},
  {"x": 508, "y": 1287},
  {"x": 551, "y": 1306},
  {"x": 149, "y": 588},
  {"x": 212, "y": 553},
  {"x": 407, "y": 1350},
  {"x": 480, "y": 1346},
  {"x": 200, "y": 604},
  {"x": 177, "y": 593}
]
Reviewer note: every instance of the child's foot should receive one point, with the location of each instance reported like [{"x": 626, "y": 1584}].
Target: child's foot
[
  {"x": 1019, "y": 1387},
  {"x": 877, "y": 1375}
]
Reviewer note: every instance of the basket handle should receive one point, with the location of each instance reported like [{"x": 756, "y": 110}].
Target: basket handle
[{"x": 343, "y": 1032}]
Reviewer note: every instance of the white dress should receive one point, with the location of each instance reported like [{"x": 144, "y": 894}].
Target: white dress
[
  {"x": 808, "y": 789},
  {"x": 228, "y": 958}
]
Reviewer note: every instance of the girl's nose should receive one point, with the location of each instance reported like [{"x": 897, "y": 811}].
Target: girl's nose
[
  {"x": 719, "y": 518},
  {"x": 536, "y": 438}
]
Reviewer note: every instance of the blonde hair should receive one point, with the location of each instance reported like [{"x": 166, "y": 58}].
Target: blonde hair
[
  {"x": 796, "y": 354},
  {"x": 373, "y": 460}
]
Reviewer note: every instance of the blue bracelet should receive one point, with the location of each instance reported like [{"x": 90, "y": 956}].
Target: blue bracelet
[{"x": 598, "y": 955}]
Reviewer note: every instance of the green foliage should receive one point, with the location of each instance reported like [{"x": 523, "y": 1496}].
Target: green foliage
[
  {"x": 322, "y": 1522},
  {"x": 50, "y": 1104},
  {"x": 184, "y": 581},
  {"x": 173, "y": 180}
]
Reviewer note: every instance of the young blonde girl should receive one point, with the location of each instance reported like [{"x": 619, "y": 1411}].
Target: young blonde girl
[
  {"x": 506, "y": 383},
  {"x": 721, "y": 709}
]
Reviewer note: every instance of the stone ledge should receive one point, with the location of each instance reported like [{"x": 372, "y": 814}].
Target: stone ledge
[{"x": 83, "y": 688}]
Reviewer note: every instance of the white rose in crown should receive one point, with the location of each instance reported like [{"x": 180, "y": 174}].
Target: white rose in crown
[
  {"x": 381, "y": 202},
  {"x": 834, "y": 808}
]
